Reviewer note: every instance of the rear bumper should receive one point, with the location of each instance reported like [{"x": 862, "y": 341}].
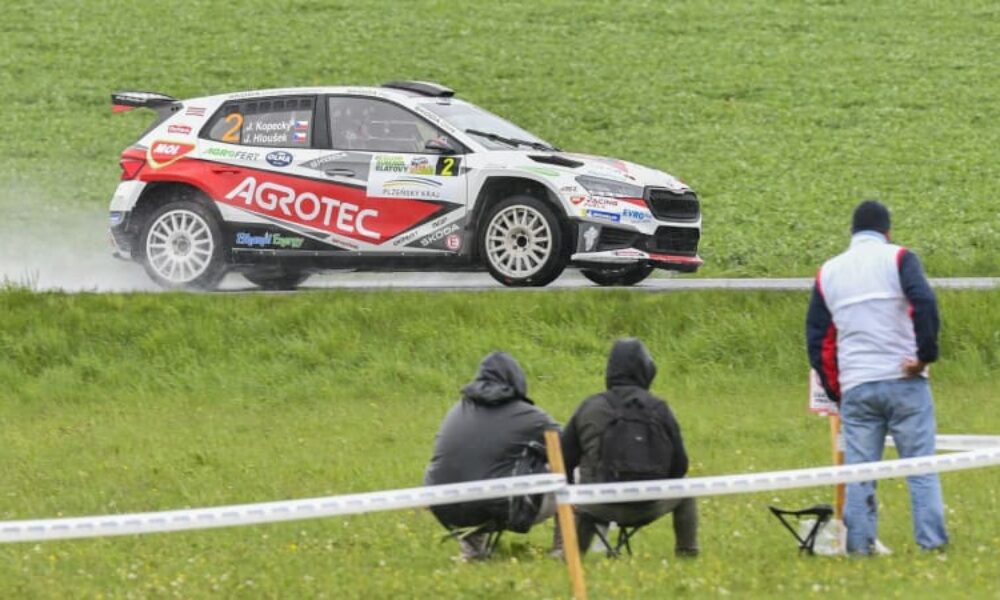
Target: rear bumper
[{"x": 121, "y": 239}]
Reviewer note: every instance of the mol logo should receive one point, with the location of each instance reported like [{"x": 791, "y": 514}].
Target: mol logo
[
  {"x": 313, "y": 210},
  {"x": 163, "y": 153}
]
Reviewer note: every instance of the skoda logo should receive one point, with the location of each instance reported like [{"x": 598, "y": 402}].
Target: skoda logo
[{"x": 279, "y": 158}]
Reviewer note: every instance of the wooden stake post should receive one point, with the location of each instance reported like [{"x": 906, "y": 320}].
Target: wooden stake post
[
  {"x": 838, "y": 459},
  {"x": 567, "y": 524}
]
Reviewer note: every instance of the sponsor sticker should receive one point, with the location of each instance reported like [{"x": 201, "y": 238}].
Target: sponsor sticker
[
  {"x": 231, "y": 154},
  {"x": 412, "y": 187},
  {"x": 164, "y": 152},
  {"x": 279, "y": 158},
  {"x": 630, "y": 253},
  {"x": 306, "y": 207},
  {"x": 195, "y": 111},
  {"x": 439, "y": 235},
  {"x": 320, "y": 163},
  {"x": 245, "y": 238},
  {"x": 390, "y": 164},
  {"x": 179, "y": 129},
  {"x": 420, "y": 165},
  {"x": 603, "y": 215},
  {"x": 601, "y": 202},
  {"x": 453, "y": 242},
  {"x": 637, "y": 216},
  {"x": 116, "y": 218}
]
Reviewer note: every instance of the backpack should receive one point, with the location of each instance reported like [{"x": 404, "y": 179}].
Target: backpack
[
  {"x": 634, "y": 445},
  {"x": 522, "y": 510}
]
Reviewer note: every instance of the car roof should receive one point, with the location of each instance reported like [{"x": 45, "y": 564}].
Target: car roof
[{"x": 370, "y": 91}]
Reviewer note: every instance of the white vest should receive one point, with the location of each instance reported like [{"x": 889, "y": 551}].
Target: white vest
[{"x": 862, "y": 290}]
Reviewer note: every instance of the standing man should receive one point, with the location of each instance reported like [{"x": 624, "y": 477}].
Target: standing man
[{"x": 871, "y": 331}]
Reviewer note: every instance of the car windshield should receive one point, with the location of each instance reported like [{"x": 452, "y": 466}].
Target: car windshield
[{"x": 493, "y": 132}]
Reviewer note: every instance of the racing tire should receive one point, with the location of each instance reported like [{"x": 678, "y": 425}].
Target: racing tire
[
  {"x": 181, "y": 247},
  {"x": 521, "y": 242},
  {"x": 625, "y": 275},
  {"x": 276, "y": 280}
]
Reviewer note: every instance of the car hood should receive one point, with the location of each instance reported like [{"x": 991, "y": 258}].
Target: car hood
[{"x": 569, "y": 165}]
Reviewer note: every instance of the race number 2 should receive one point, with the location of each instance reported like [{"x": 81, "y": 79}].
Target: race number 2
[
  {"x": 447, "y": 166},
  {"x": 233, "y": 134}
]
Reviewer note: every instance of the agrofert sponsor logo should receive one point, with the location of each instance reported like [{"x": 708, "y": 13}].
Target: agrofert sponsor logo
[
  {"x": 311, "y": 209},
  {"x": 232, "y": 154}
]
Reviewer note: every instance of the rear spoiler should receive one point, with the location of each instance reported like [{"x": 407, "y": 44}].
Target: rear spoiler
[{"x": 126, "y": 101}]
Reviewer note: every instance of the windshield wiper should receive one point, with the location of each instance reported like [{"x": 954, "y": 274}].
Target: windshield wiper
[{"x": 512, "y": 142}]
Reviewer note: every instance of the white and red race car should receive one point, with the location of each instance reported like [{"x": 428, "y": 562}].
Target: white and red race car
[{"x": 281, "y": 183}]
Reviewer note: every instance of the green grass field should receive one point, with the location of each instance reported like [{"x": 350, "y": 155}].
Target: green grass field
[
  {"x": 781, "y": 114},
  {"x": 122, "y": 403}
]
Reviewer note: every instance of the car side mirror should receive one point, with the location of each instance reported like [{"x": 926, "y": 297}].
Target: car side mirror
[{"x": 439, "y": 145}]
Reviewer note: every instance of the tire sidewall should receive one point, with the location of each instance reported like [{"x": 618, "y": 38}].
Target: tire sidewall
[
  {"x": 210, "y": 278},
  {"x": 556, "y": 261}
]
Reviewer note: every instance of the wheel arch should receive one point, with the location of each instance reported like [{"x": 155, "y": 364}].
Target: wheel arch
[
  {"x": 498, "y": 187},
  {"x": 159, "y": 193}
]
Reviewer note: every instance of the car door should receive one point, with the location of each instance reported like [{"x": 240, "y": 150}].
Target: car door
[
  {"x": 419, "y": 193},
  {"x": 250, "y": 152}
]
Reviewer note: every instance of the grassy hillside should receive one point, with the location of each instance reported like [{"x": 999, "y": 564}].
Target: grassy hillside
[
  {"x": 782, "y": 114},
  {"x": 119, "y": 403}
]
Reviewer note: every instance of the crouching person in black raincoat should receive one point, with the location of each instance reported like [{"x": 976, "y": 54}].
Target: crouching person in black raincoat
[
  {"x": 493, "y": 431},
  {"x": 626, "y": 434}
]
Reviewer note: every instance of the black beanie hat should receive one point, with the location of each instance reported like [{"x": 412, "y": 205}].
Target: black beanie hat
[{"x": 871, "y": 215}]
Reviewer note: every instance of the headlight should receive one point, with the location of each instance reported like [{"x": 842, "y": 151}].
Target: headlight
[{"x": 598, "y": 186}]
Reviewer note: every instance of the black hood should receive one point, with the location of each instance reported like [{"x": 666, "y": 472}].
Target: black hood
[
  {"x": 499, "y": 380},
  {"x": 630, "y": 364}
]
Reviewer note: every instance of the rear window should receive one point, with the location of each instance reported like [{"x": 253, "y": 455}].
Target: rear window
[{"x": 278, "y": 122}]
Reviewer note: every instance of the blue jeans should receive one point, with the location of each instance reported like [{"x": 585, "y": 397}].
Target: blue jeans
[{"x": 905, "y": 409}]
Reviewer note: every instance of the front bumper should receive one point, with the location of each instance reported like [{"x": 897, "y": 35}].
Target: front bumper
[{"x": 669, "y": 247}]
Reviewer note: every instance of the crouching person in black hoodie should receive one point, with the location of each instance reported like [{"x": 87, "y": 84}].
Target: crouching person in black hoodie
[
  {"x": 626, "y": 434},
  {"x": 493, "y": 431}
]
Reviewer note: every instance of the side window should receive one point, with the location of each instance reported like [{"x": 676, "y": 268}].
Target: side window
[
  {"x": 280, "y": 122},
  {"x": 379, "y": 126}
]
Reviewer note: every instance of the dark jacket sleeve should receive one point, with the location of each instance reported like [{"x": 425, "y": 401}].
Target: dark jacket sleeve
[
  {"x": 821, "y": 343},
  {"x": 679, "y": 466},
  {"x": 926, "y": 321},
  {"x": 570, "y": 440}
]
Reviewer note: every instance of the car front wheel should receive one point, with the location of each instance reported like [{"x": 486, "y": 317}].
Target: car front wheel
[
  {"x": 521, "y": 242},
  {"x": 626, "y": 275},
  {"x": 181, "y": 247}
]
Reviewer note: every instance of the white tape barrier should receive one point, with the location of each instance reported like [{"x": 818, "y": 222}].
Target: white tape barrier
[
  {"x": 987, "y": 453},
  {"x": 662, "y": 489},
  {"x": 267, "y": 512}
]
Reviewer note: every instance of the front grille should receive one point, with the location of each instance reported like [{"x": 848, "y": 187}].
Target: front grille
[
  {"x": 615, "y": 239},
  {"x": 675, "y": 240},
  {"x": 668, "y": 205}
]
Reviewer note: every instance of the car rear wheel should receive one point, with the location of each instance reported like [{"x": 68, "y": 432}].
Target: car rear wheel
[
  {"x": 181, "y": 247},
  {"x": 276, "y": 280},
  {"x": 521, "y": 242},
  {"x": 625, "y": 275}
]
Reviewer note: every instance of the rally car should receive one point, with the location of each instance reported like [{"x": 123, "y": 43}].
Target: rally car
[{"x": 281, "y": 183}]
